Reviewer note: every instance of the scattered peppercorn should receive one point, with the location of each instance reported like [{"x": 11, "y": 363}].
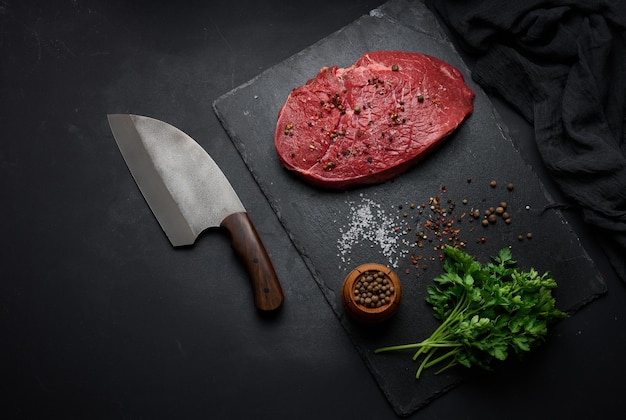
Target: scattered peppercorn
[
  {"x": 439, "y": 228},
  {"x": 510, "y": 186}
]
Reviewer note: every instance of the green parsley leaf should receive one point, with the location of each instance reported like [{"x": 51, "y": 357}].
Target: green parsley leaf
[{"x": 487, "y": 312}]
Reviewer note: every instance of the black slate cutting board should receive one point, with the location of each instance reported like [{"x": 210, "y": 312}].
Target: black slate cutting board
[{"x": 338, "y": 230}]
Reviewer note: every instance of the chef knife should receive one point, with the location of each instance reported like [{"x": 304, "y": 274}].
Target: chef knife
[{"x": 188, "y": 193}]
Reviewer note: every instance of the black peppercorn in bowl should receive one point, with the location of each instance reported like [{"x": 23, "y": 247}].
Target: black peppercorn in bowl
[{"x": 371, "y": 293}]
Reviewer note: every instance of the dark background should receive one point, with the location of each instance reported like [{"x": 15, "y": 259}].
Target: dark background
[{"x": 101, "y": 318}]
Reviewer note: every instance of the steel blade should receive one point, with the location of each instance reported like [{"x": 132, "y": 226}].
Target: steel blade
[{"x": 184, "y": 187}]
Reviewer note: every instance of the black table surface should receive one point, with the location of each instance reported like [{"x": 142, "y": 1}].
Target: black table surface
[{"x": 101, "y": 318}]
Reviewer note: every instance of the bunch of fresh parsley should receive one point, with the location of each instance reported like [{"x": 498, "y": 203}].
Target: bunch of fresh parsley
[{"x": 488, "y": 312}]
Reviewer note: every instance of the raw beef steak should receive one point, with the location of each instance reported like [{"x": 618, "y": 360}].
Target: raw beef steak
[{"x": 368, "y": 123}]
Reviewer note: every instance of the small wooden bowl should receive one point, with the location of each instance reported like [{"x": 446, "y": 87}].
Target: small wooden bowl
[{"x": 367, "y": 314}]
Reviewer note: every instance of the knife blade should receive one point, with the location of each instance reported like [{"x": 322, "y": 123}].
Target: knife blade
[{"x": 188, "y": 193}]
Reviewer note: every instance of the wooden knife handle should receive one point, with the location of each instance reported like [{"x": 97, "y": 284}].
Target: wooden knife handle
[{"x": 268, "y": 295}]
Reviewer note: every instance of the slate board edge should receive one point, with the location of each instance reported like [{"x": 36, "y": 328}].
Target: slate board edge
[{"x": 327, "y": 292}]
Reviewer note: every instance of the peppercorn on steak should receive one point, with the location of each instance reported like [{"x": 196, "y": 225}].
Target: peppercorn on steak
[{"x": 369, "y": 122}]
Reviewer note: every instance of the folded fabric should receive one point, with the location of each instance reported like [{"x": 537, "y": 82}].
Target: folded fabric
[{"x": 562, "y": 64}]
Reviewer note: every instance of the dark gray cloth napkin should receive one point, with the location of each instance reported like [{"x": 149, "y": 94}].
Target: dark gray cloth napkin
[{"x": 562, "y": 64}]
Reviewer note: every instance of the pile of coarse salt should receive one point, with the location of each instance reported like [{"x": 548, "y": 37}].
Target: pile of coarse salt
[{"x": 369, "y": 223}]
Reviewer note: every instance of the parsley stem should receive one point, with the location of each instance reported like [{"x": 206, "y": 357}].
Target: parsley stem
[
  {"x": 423, "y": 364},
  {"x": 441, "y": 358},
  {"x": 450, "y": 364},
  {"x": 424, "y": 344},
  {"x": 426, "y": 363}
]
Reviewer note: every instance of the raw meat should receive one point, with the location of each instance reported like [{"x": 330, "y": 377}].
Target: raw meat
[{"x": 368, "y": 123}]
